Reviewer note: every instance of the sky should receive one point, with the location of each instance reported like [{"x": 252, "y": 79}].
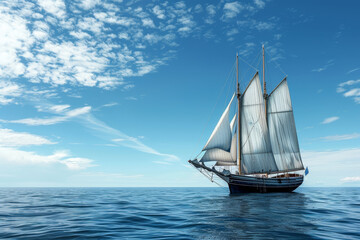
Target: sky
[{"x": 123, "y": 93}]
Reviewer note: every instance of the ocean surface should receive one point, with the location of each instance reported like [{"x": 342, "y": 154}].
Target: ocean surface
[{"x": 178, "y": 213}]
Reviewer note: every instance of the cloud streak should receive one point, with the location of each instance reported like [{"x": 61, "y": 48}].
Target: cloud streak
[
  {"x": 122, "y": 139},
  {"x": 67, "y": 115},
  {"x": 330, "y": 120},
  {"x": 341, "y": 137}
]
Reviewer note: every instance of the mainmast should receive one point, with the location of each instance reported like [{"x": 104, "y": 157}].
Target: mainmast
[
  {"x": 264, "y": 83},
  {"x": 238, "y": 114}
]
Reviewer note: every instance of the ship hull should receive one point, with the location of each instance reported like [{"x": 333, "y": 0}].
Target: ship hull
[
  {"x": 286, "y": 182},
  {"x": 246, "y": 184}
]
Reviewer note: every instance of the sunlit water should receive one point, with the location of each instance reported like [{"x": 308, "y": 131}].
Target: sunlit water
[{"x": 178, "y": 213}]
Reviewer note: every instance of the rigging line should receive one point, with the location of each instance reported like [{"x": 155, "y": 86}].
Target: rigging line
[
  {"x": 243, "y": 74},
  {"x": 276, "y": 63},
  {"x": 247, "y": 63},
  {"x": 217, "y": 100}
]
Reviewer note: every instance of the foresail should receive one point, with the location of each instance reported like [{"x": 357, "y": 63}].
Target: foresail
[
  {"x": 217, "y": 155},
  {"x": 221, "y": 136},
  {"x": 221, "y": 157},
  {"x": 232, "y": 123},
  {"x": 283, "y": 137},
  {"x": 256, "y": 154}
]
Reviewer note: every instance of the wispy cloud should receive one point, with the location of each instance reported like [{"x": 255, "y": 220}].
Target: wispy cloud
[
  {"x": 65, "y": 116},
  {"x": 328, "y": 167},
  {"x": 122, "y": 139},
  {"x": 330, "y": 120},
  {"x": 341, "y": 137},
  {"x": 353, "y": 70},
  {"x": 347, "y": 89},
  {"x": 350, "y": 179},
  {"x": 109, "y": 175},
  {"x": 326, "y": 66}
]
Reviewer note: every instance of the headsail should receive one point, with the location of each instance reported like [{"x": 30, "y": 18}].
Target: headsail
[
  {"x": 221, "y": 136},
  {"x": 256, "y": 154},
  {"x": 221, "y": 146},
  {"x": 283, "y": 137}
]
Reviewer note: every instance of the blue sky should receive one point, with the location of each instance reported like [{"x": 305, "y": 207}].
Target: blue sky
[{"x": 123, "y": 93}]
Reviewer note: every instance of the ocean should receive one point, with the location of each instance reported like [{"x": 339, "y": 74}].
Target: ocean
[{"x": 178, "y": 213}]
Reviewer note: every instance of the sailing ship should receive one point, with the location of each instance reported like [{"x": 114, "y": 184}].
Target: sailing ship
[{"x": 258, "y": 150}]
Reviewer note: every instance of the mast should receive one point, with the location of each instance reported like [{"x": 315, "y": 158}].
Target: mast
[
  {"x": 239, "y": 116},
  {"x": 264, "y": 83}
]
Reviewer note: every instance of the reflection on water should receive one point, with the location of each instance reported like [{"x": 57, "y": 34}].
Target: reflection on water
[
  {"x": 257, "y": 215},
  {"x": 178, "y": 213}
]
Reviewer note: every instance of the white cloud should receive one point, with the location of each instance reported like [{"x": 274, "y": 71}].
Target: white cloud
[
  {"x": 8, "y": 91},
  {"x": 55, "y": 7},
  {"x": 72, "y": 42},
  {"x": 264, "y": 26},
  {"x": 110, "y": 104},
  {"x": 21, "y": 157},
  {"x": 259, "y": 3},
  {"x": 158, "y": 12},
  {"x": 211, "y": 9},
  {"x": 147, "y": 22},
  {"x": 77, "y": 163},
  {"x": 327, "y": 168},
  {"x": 350, "y": 179},
  {"x": 345, "y": 88},
  {"x": 353, "y": 70},
  {"x": 349, "y": 83},
  {"x": 88, "y": 4},
  {"x": 232, "y": 9},
  {"x": 341, "y": 137},
  {"x": 323, "y": 68},
  {"x": 59, "y": 108},
  {"x": 352, "y": 93},
  {"x": 232, "y": 32},
  {"x": 330, "y": 120},
  {"x": 10, "y": 138},
  {"x": 198, "y": 8}
]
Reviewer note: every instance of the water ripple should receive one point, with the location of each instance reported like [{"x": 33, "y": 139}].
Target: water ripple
[{"x": 177, "y": 213}]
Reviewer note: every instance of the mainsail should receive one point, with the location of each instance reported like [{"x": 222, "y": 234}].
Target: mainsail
[
  {"x": 256, "y": 154},
  {"x": 283, "y": 137}
]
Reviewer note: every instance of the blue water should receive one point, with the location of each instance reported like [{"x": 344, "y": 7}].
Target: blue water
[{"x": 178, "y": 213}]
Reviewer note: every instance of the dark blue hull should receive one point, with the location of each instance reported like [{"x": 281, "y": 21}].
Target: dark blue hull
[
  {"x": 286, "y": 182},
  {"x": 246, "y": 184}
]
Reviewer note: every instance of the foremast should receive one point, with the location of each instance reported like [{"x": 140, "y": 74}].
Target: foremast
[
  {"x": 238, "y": 94},
  {"x": 264, "y": 83}
]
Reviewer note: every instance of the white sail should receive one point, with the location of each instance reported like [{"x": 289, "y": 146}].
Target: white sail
[
  {"x": 232, "y": 123},
  {"x": 223, "y": 158},
  {"x": 221, "y": 136},
  {"x": 256, "y": 154},
  {"x": 217, "y": 155},
  {"x": 283, "y": 137}
]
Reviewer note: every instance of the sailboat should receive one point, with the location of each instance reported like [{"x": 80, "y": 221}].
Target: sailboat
[{"x": 257, "y": 150}]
